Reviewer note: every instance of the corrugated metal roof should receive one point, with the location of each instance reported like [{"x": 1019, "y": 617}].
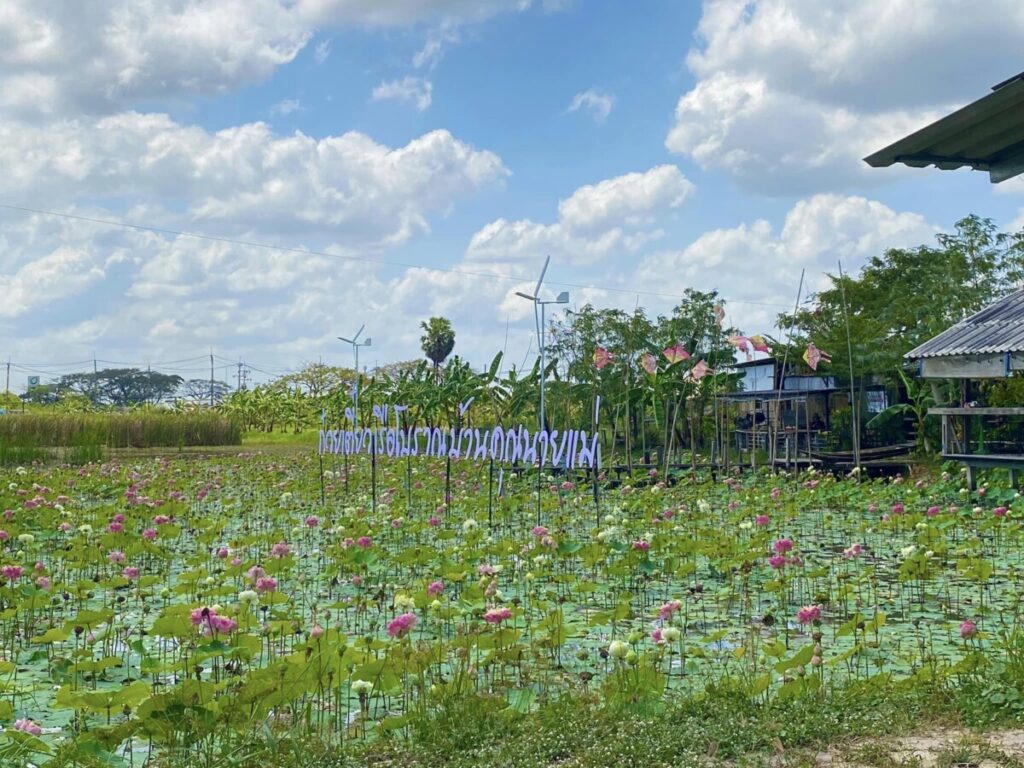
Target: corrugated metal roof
[
  {"x": 987, "y": 135},
  {"x": 999, "y": 327}
]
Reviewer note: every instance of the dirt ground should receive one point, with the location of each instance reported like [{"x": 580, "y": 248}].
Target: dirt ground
[{"x": 952, "y": 748}]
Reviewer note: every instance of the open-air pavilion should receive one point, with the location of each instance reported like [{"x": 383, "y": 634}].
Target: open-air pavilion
[
  {"x": 987, "y": 345},
  {"x": 986, "y": 135}
]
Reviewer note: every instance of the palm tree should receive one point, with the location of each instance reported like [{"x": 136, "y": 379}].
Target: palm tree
[{"x": 438, "y": 340}]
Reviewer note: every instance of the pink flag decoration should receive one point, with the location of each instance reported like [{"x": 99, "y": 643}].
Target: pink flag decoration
[
  {"x": 649, "y": 362},
  {"x": 601, "y": 357},
  {"x": 813, "y": 356},
  {"x": 700, "y": 370},
  {"x": 741, "y": 343},
  {"x": 719, "y": 315},
  {"x": 759, "y": 344},
  {"x": 676, "y": 353}
]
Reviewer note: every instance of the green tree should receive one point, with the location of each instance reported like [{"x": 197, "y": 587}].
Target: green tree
[{"x": 438, "y": 340}]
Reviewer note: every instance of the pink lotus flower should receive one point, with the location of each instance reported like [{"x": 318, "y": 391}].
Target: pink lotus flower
[
  {"x": 782, "y": 546},
  {"x": 162, "y": 519},
  {"x": 222, "y": 552},
  {"x": 364, "y": 542},
  {"x": 316, "y": 632},
  {"x": 669, "y": 609},
  {"x": 762, "y": 520},
  {"x": 43, "y": 582},
  {"x": 486, "y": 569},
  {"x": 116, "y": 528},
  {"x": 435, "y": 588},
  {"x": 280, "y": 550},
  {"x": 402, "y": 625},
  {"x": 852, "y": 551},
  {"x": 808, "y": 614},
  {"x": 11, "y": 572},
  {"x": 933, "y": 511},
  {"x": 28, "y": 726},
  {"x": 656, "y": 636},
  {"x": 776, "y": 493},
  {"x": 116, "y": 556},
  {"x": 649, "y": 363},
  {"x": 130, "y": 572},
  {"x": 539, "y": 530},
  {"x": 266, "y": 584},
  {"x": 641, "y": 545},
  {"x": 898, "y": 508},
  {"x": 434, "y": 522},
  {"x": 497, "y": 615},
  {"x": 968, "y": 629},
  {"x": 149, "y": 534},
  {"x": 312, "y": 521},
  {"x": 777, "y": 561},
  {"x": 1000, "y": 511}
]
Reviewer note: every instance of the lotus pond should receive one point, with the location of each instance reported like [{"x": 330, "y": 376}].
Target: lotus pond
[{"x": 173, "y": 606}]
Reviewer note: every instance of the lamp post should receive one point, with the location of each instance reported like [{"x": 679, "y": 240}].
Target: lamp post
[{"x": 356, "y": 344}]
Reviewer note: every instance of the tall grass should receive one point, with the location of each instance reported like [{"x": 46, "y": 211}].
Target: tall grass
[{"x": 85, "y": 432}]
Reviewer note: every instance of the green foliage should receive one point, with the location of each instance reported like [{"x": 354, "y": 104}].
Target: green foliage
[
  {"x": 85, "y": 433},
  {"x": 906, "y": 296},
  {"x": 438, "y": 339}
]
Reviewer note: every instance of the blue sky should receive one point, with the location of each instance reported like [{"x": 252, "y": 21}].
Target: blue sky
[{"x": 715, "y": 145}]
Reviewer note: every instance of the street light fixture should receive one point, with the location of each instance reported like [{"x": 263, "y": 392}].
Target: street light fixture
[{"x": 356, "y": 344}]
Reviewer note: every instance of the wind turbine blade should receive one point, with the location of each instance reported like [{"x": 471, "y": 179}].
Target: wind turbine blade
[
  {"x": 547, "y": 260},
  {"x": 356, "y": 337}
]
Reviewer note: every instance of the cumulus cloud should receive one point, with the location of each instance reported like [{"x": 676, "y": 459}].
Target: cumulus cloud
[
  {"x": 593, "y": 222},
  {"x": 414, "y": 90},
  {"x": 405, "y": 12},
  {"x": 791, "y": 94},
  {"x": 247, "y": 178},
  {"x": 755, "y": 262},
  {"x": 597, "y": 104},
  {"x": 100, "y": 55}
]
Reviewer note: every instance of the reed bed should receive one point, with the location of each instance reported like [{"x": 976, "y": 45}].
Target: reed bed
[{"x": 33, "y": 432}]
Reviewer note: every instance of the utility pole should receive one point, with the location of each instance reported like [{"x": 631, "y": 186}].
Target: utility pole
[
  {"x": 238, "y": 387},
  {"x": 211, "y": 377},
  {"x": 7, "y": 385}
]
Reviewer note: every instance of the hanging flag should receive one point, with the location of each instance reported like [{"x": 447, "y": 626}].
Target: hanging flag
[
  {"x": 813, "y": 356},
  {"x": 601, "y": 357},
  {"x": 700, "y": 370},
  {"x": 676, "y": 353},
  {"x": 759, "y": 344},
  {"x": 649, "y": 362},
  {"x": 742, "y": 343},
  {"x": 719, "y": 315}
]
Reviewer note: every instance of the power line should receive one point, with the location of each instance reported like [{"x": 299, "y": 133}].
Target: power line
[{"x": 365, "y": 259}]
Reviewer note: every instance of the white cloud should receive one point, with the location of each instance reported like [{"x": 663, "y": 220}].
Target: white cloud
[
  {"x": 593, "y": 222},
  {"x": 791, "y": 94},
  {"x": 285, "y": 107},
  {"x": 246, "y": 178},
  {"x": 433, "y": 49},
  {"x": 61, "y": 273},
  {"x": 414, "y": 90},
  {"x": 405, "y": 12},
  {"x": 597, "y": 104},
  {"x": 98, "y": 55},
  {"x": 752, "y": 261},
  {"x": 322, "y": 51}
]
